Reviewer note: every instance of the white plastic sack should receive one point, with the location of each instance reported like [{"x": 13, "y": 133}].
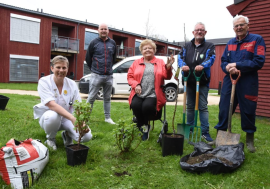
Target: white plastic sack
[{"x": 21, "y": 163}]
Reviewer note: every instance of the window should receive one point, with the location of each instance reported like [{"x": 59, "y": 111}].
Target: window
[
  {"x": 123, "y": 68},
  {"x": 23, "y": 68},
  {"x": 24, "y": 29},
  {"x": 137, "y": 45},
  {"x": 173, "y": 50},
  {"x": 86, "y": 69},
  {"x": 89, "y": 36}
]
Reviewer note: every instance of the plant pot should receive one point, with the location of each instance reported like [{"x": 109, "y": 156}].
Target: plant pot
[
  {"x": 172, "y": 145},
  {"x": 76, "y": 156},
  {"x": 3, "y": 102}
]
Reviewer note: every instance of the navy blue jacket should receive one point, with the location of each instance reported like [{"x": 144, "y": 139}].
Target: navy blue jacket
[
  {"x": 249, "y": 56},
  {"x": 192, "y": 56},
  {"x": 101, "y": 55}
]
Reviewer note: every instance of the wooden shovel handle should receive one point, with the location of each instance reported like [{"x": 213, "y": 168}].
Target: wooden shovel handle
[
  {"x": 232, "y": 100},
  {"x": 235, "y": 81}
]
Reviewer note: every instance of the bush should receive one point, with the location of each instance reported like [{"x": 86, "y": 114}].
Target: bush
[
  {"x": 82, "y": 113},
  {"x": 127, "y": 135}
]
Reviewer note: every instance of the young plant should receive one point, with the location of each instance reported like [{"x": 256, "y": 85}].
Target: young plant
[
  {"x": 176, "y": 78},
  {"x": 82, "y": 113},
  {"x": 127, "y": 135}
]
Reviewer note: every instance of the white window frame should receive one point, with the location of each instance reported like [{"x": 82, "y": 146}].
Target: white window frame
[
  {"x": 27, "y": 18},
  {"x": 174, "y": 48},
  {"x": 138, "y": 40},
  {"x": 23, "y": 57},
  {"x": 90, "y": 30}
]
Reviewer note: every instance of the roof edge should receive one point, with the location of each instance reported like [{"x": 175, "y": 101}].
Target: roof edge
[
  {"x": 234, "y": 9},
  {"x": 82, "y": 22}
]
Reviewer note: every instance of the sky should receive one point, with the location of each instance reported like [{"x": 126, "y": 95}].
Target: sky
[{"x": 166, "y": 17}]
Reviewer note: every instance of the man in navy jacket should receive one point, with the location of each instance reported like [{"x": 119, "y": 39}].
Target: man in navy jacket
[
  {"x": 100, "y": 56},
  {"x": 198, "y": 55},
  {"x": 245, "y": 53}
]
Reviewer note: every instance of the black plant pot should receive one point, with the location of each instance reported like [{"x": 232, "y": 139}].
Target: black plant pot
[
  {"x": 172, "y": 145},
  {"x": 3, "y": 102},
  {"x": 76, "y": 156}
]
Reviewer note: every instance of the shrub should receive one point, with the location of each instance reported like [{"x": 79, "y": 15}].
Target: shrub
[
  {"x": 82, "y": 113},
  {"x": 127, "y": 135}
]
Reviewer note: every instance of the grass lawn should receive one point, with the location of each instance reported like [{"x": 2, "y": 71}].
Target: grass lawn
[
  {"x": 213, "y": 91},
  {"x": 146, "y": 167},
  {"x": 19, "y": 86}
]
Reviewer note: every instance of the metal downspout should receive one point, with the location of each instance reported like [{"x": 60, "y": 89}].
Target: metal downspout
[{"x": 75, "y": 77}]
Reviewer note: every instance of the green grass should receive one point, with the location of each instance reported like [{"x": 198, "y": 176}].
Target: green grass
[
  {"x": 146, "y": 166},
  {"x": 19, "y": 86},
  {"x": 213, "y": 91}
]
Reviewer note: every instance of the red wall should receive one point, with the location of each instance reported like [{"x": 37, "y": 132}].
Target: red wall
[
  {"x": 43, "y": 49},
  {"x": 216, "y": 72}
]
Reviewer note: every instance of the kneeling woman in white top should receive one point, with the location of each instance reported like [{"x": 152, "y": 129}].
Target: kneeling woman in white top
[{"x": 58, "y": 93}]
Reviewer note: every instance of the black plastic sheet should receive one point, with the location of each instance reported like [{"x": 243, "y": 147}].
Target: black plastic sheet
[{"x": 233, "y": 153}]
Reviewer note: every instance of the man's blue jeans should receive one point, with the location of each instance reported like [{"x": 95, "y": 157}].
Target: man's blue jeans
[
  {"x": 203, "y": 109},
  {"x": 104, "y": 81}
]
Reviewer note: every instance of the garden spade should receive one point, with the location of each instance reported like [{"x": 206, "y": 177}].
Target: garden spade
[
  {"x": 196, "y": 130},
  {"x": 227, "y": 137},
  {"x": 183, "y": 128}
]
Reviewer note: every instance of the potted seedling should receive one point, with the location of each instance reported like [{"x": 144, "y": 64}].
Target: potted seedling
[
  {"x": 172, "y": 143},
  {"x": 127, "y": 135},
  {"x": 77, "y": 153}
]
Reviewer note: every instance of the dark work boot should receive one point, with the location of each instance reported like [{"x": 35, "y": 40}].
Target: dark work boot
[{"x": 250, "y": 142}]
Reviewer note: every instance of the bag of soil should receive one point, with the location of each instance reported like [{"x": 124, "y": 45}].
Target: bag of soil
[{"x": 221, "y": 159}]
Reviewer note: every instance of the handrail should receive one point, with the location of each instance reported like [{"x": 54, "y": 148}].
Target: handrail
[
  {"x": 123, "y": 51},
  {"x": 66, "y": 44}
]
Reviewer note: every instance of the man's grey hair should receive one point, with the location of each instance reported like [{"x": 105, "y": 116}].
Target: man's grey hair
[
  {"x": 200, "y": 23},
  {"x": 240, "y": 16}
]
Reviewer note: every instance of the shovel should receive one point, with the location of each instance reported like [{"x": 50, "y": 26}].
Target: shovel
[
  {"x": 227, "y": 137},
  {"x": 183, "y": 128}
]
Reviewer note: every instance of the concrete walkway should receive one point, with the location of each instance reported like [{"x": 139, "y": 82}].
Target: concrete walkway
[{"x": 212, "y": 100}]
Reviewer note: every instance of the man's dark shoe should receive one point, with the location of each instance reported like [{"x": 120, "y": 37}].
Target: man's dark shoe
[
  {"x": 207, "y": 137},
  {"x": 250, "y": 142}
]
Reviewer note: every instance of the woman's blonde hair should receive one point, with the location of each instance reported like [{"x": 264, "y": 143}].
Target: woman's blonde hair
[
  {"x": 59, "y": 58},
  {"x": 148, "y": 42}
]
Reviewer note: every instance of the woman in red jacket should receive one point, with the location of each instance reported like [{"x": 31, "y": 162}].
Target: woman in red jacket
[{"x": 146, "y": 77}]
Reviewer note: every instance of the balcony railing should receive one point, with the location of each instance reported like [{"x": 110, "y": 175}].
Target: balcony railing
[
  {"x": 123, "y": 52},
  {"x": 64, "y": 44}
]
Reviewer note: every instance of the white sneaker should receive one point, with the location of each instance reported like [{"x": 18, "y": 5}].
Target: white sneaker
[
  {"x": 67, "y": 139},
  {"x": 51, "y": 143},
  {"x": 110, "y": 121}
]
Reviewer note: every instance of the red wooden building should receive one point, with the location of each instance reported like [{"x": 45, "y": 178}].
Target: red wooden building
[{"x": 30, "y": 39}]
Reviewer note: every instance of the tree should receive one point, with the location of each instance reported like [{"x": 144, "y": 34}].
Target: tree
[{"x": 150, "y": 30}]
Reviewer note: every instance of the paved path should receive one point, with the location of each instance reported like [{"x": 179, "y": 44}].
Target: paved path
[{"x": 212, "y": 100}]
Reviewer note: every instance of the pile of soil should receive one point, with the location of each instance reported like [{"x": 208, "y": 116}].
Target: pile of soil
[
  {"x": 76, "y": 147},
  {"x": 203, "y": 157}
]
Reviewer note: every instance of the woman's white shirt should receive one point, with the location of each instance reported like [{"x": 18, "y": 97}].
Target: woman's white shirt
[{"x": 48, "y": 91}]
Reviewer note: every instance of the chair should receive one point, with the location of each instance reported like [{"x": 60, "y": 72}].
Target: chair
[{"x": 158, "y": 117}]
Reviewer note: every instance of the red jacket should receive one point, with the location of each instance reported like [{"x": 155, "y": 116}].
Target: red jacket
[{"x": 135, "y": 74}]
